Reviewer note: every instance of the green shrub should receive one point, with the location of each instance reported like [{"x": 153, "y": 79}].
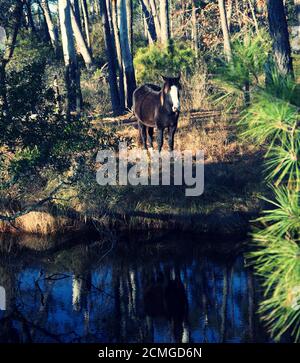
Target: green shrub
[
  {"x": 25, "y": 75},
  {"x": 246, "y": 70},
  {"x": 269, "y": 118},
  {"x": 97, "y": 40},
  {"x": 152, "y": 61},
  {"x": 24, "y": 159},
  {"x": 249, "y": 56}
]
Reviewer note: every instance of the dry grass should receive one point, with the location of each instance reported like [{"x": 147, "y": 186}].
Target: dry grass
[
  {"x": 39, "y": 222},
  {"x": 95, "y": 93},
  {"x": 209, "y": 131},
  {"x": 195, "y": 91},
  {"x": 49, "y": 221}
]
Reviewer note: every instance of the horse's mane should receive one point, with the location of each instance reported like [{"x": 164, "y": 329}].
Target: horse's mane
[{"x": 153, "y": 87}]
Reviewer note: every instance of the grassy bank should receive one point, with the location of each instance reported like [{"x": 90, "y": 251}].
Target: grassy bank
[{"x": 232, "y": 186}]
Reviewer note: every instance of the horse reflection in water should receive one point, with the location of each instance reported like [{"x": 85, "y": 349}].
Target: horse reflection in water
[{"x": 166, "y": 297}]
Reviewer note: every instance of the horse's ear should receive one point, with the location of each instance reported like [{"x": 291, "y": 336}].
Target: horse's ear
[
  {"x": 178, "y": 77},
  {"x": 165, "y": 79}
]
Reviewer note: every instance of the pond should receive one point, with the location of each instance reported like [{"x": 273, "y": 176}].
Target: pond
[{"x": 153, "y": 288}]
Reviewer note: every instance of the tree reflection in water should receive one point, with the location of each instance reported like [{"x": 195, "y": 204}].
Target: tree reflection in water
[{"x": 169, "y": 292}]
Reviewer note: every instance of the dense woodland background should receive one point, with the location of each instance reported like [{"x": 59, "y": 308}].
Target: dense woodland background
[{"x": 68, "y": 69}]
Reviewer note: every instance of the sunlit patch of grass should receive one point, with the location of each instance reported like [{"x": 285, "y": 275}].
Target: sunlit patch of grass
[
  {"x": 215, "y": 134},
  {"x": 39, "y": 222}
]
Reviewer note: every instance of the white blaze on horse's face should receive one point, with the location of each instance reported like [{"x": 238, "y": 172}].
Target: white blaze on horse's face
[{"x": 174, "y": 94}]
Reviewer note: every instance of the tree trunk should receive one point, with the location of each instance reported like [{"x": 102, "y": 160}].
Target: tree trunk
[
  {"x": 4, "y": 109},
  {"x": 108, "y": 40},
  {"x": 155, "y": 16},
  {"x": 130, "y": 83},
  {"x": 129, "y": 10},
  {"x": 150, "y": 20},
  {"x": 81, "y": 45},
  {"x": 164, "y": 21},
  {"x": 247, "y": 93},
  {"x": 29, "y": 16},
  {"x": 146, "y": 30},
  {"x": 76, "y": 8},
  {"x": 72, "y": 73},
  {"x": 280, "y": 37},
  {"x": 185, "y": 14},
  {"x": 225, "y": 30},
  {"x": 51, "y": 28},
  {"x": 114, "y": 16},
  {"x": 111, "y": 27},
  {"x": 109, "y": 13},
  {"x": 5, "y": 57},
  {"x": 42, "y": 25},
  {"x": 13, "y": 30},
  {"x": 86, "y": 22},
  {"x": 229, "y": 13},
  {"x": 194, "y": 27},
  {"x": 297, "y": 9}
]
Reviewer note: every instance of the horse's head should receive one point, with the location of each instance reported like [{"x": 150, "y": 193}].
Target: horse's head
[{"x": 171, "y": 94}]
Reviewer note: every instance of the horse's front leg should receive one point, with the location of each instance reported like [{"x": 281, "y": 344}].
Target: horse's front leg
[
  {"x": 143, "y": 134},
  {"x": 172, "y": 130},
  {"x": 150, "y": 136},
  {"x": 160, "y": 138}
]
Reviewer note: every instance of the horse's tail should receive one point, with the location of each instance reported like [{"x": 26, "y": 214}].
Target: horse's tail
[
  {"x": 131, "y": 112},
  {"x": 139, "y": 139}
]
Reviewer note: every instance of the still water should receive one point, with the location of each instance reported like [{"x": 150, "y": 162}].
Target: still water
[{"x": 161, "y": 289}]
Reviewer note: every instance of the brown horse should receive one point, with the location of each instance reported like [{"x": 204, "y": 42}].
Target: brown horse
[{"x": 157, "y": 107}]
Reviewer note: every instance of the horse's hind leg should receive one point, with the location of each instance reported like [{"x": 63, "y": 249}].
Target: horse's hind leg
[
  {"x": 143, "y": 134},
  {"x": 150, "y": 135}
]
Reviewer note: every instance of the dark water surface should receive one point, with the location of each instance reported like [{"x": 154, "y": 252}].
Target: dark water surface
[{"x": 172, "y": 289}]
